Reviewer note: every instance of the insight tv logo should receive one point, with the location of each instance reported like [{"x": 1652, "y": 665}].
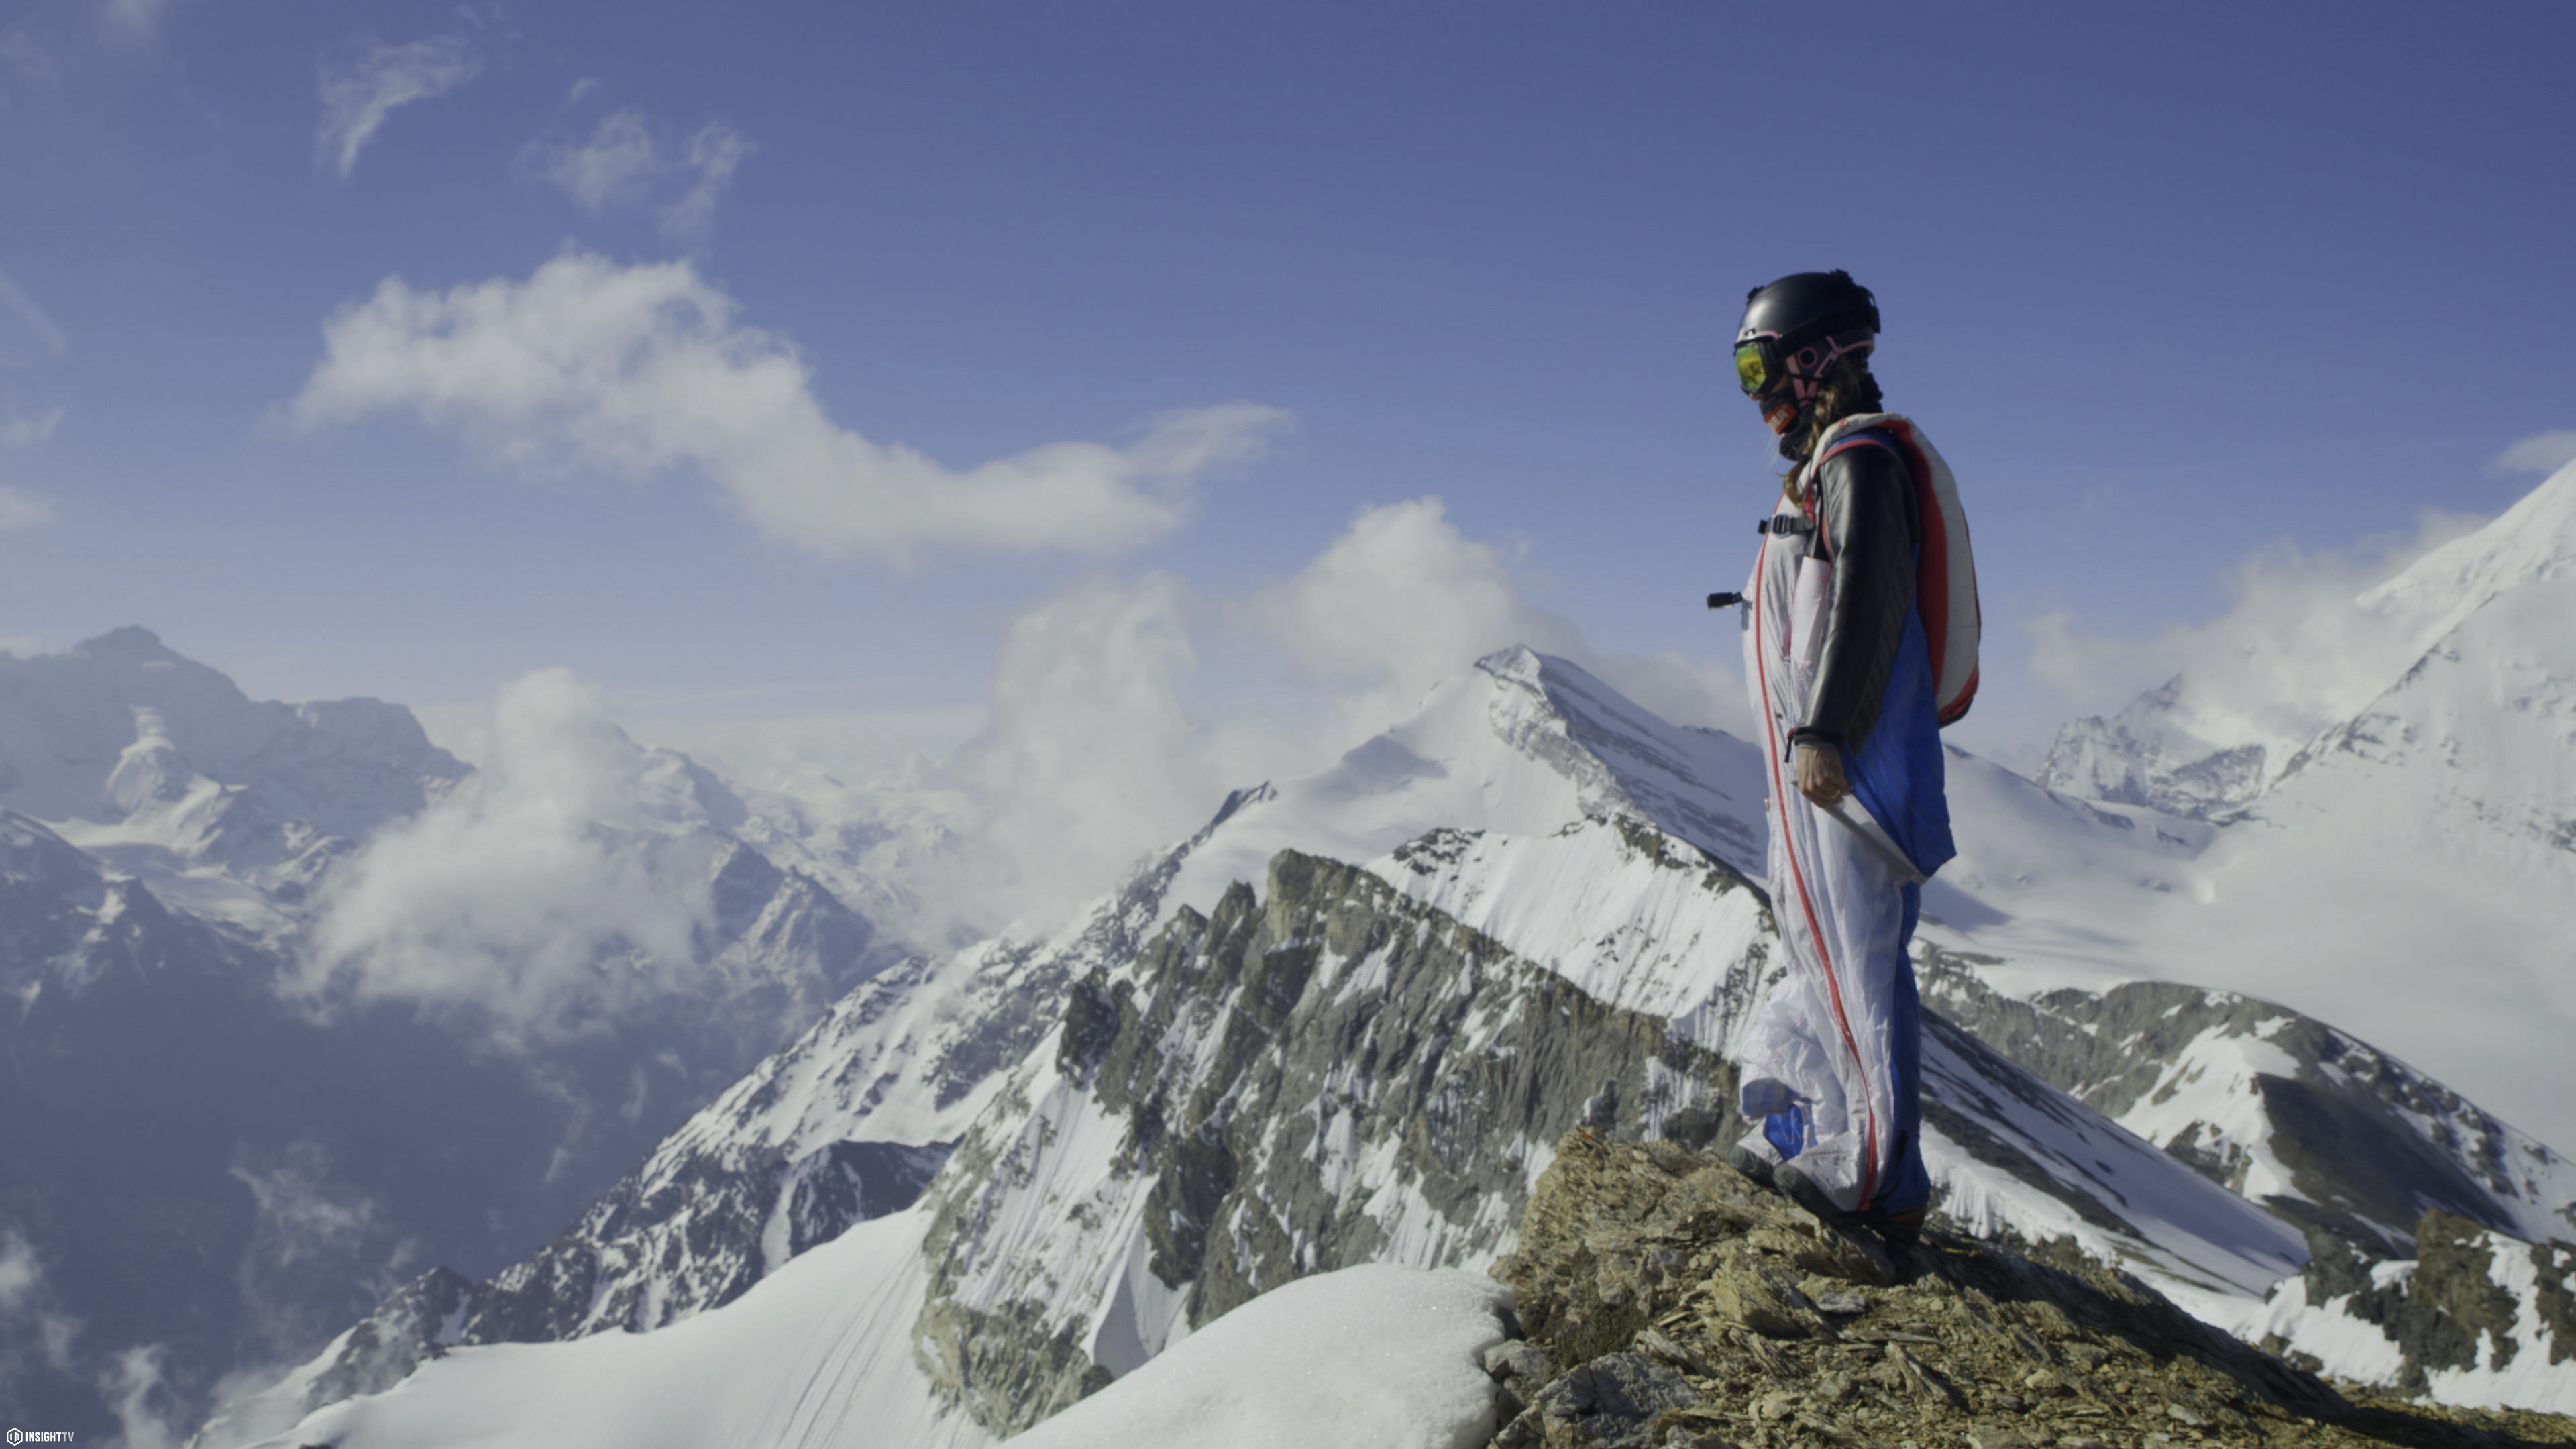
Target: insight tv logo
[{"x": 40, "y": 1436}]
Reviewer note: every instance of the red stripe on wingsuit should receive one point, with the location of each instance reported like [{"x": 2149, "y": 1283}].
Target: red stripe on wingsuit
[
  {"x": 1935, "y": 598},
  {"x": 1789, "y": 847}
]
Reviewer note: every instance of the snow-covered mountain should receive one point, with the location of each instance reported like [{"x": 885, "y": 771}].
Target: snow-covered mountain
[
  {"x": 227, "y": 808},
  {"x": 2393, "y": 841},
  {"x": 2462, "y": 656},
  {"x": 223, "y": 1142},
  {"x": 1346, "y": 1023},
  {"x": 2389, "y": 850}
]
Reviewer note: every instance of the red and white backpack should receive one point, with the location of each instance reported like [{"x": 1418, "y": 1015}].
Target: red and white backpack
[{"x": 1945, "y": 572}]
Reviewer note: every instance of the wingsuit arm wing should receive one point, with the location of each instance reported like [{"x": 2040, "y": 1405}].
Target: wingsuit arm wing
[{"x": 1866, "y": 508}]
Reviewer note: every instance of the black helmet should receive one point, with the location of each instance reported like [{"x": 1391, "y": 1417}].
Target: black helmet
[{"x": 1792, "y": 314}]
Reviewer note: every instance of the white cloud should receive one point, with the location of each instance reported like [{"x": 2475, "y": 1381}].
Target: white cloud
[
  {"x": 1403, "y": 597},
  {"x": 27, "y": 432},
  {"x": 637, "y": 369},
  {"x": 21, "y": 509},
  {"x": 2540, "y": 453},
  {"x": 20, "y": 1272},
  {"x": 713, "y": 154},
  {"x": 135, "y": 19},
  {"x": 1090, "y": 754},
  {"x": 141, "y": 1401},
  {"x": 550, "y": 890},
  {"x": 1403, "y": 600},
  {"x": 23, "y": 60},
  {"x": 359, "y": 91},
  {"x": 312, "y": 1236},
  {"x": 27, "y": 335},
  {"x": 1111, "y": 730},
  {"x": 616, "y": 166},
  {"x": 623, "y": 165},
  {"x": 2293, "y": 651},
  {"x": 761, "y": 754},
  {"x": 36, "y": 1335}
]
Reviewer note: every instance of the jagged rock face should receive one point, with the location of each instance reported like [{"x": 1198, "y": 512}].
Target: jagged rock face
[
  {"x": 693, "y": 1236},
  {"x": 846, "y": 1123},
  {"x": 421, "y": 1316},
  {"x": 1326, "y": 1076},
  {"x": 2319, "y": 1127},
  {"x": 1667, "y": 1300},
  {"x": 2476, "y": 1316}
]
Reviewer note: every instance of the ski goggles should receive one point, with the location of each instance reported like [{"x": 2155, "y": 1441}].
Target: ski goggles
[
  {"x": 1757, "y": 364},
  {"x": 1760, "y": 367}
]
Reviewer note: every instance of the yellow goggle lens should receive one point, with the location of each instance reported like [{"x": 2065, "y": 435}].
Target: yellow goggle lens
[{"x": 1748, "y": 367}]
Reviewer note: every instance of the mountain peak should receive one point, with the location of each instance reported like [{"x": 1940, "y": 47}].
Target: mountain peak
[
  {"x": 2534, "y": 539},
  {"x": 1518, "y": 663},
  {"x": 131, "y": 644}
]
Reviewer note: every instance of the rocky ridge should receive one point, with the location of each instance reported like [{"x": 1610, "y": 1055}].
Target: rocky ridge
[
  {"x": 1337, "y": 1070},
  {"x": 846, "y": 1123},
  {"x": 1666, "y": 1300},
  {"x": 1204, "y": 1087},
  {"x": 2317, "y": 1126},
  {"x": 1320, "y": 1076},
  {"x": 2476, "y": 1316}
]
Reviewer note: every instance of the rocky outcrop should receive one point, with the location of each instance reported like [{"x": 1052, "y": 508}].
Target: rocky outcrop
[
  {"x": 418, "y": 1321},
  {"x": 1667, "y": 1300},
  {"x": 2352, "y": 1141},
  {"x": 1323, "y": 1076},
  {"x": 693, "y": 1238},
  {"x": 648, "y": 1254},
  {"x": 1337, "y": 1071},
  {"x": 2475, "y": 1315}
]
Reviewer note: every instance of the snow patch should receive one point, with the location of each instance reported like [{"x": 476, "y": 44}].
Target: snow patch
[{"x": 1374, "y": 1355}]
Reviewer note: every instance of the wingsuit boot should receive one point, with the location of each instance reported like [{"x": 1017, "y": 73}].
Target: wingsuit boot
[
  {"x": 1751, "y": 1163},
  {"x": 1897, "y": 1229}
]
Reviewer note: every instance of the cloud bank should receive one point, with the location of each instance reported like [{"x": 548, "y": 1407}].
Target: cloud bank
[
  {"x": 548, "y": 891},
  {"x": 360, "y": 90},
  {"x": 634, "y": 370},
  {"x": 2294, "y": 651},
  {"x": 1122, "y": 710}
]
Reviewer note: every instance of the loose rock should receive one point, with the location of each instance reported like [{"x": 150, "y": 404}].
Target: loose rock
[{"x": 1639, "y": 1266}]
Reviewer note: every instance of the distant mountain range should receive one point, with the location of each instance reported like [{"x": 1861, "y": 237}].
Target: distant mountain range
[
  {"x": 816, "y": 1177},
  {"x": 214, "y": 1160},
  {"x": 1348, "y": 1021}
]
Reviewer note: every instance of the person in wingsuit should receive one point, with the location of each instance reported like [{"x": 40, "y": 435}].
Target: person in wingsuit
[{"x": 1859, "y": 645}]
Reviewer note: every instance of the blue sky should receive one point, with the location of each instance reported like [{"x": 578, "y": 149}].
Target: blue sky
[{"x": 2169, "y": 284}]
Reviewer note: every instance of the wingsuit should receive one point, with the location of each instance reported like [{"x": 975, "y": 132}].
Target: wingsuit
[{"x": 1837, "y": 659}]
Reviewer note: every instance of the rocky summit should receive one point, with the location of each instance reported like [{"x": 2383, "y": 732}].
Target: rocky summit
[{"x": 1667, "y": 1300}]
